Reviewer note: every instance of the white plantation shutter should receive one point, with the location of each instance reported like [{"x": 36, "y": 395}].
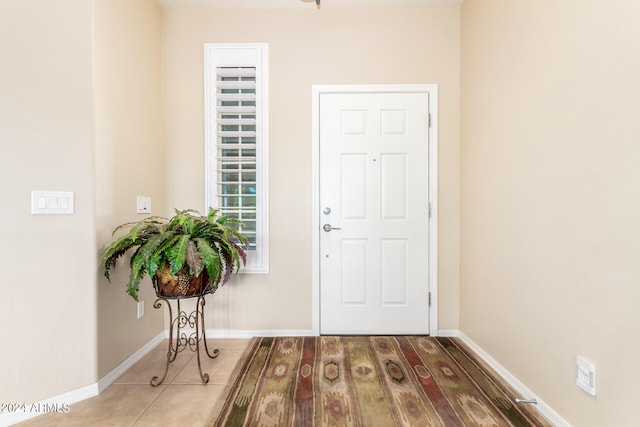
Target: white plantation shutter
[
  {"x": 236, "y": 142},
  {"x": 236, "y": 146}
]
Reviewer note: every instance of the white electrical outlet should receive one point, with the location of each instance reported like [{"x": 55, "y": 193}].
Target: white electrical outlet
[
  {"x": 586, "y": 375},
  {"x": 140, "y": 309},
  {"x": 143, "y": 204}
]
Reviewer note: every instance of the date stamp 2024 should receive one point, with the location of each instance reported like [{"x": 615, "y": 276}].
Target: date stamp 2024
[{"x": 38, "y": 407}]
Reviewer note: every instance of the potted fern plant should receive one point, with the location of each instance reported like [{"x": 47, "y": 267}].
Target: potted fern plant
[{"x": 186, "y": 255}]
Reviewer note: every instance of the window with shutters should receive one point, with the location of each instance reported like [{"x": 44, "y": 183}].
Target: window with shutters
[{"x": 236, "y": 141}]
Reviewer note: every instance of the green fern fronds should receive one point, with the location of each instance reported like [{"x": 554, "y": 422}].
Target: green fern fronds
[
  {"x": 212, "y": 243},
  {"x": 177, "y": 253}
]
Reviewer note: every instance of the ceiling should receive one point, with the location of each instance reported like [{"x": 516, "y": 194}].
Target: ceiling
[{"x": 300, "y": 4}]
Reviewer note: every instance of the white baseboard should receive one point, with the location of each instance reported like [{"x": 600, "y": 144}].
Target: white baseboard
[
  {"x": 249, "y": 333},
  {"x": 240, "y": 333},
  {"x": 544, "y": 409},
  {"x": 61, "y": 402},
  {"x": 448, "y": 333}
]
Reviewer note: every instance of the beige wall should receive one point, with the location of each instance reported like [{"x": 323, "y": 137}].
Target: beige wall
[
  {"x": 48, "y": 261},
  {"x": 80, "y": 110},
  {"x": 331, "y": 46},
  {"x": 128, "y": 159},
  {"x": 550, "y": 203}
]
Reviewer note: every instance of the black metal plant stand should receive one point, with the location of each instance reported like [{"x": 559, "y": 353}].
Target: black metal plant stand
[{"x": 183, "y": 339}]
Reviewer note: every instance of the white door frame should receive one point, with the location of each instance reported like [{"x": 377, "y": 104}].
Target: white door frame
[{"x": 317, "y": 90}]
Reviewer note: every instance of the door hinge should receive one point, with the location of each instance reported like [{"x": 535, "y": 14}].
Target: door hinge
[
  {"x": 429, "y": 299},
  {"x": 429, "y": 210},
  {"x": 429, "y": 120}
]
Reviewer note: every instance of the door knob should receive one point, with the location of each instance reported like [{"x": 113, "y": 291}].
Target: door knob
[{"x": 328, "y": 227}]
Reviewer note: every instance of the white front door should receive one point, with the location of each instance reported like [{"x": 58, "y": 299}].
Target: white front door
[{"x": 374, "y": 213}]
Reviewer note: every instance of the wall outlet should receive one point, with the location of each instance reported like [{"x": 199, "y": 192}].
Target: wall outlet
[
  {"x": 140, "y": 309},
  {"x": 143, "y": 204},
  {"x": 586, "y": 375}
]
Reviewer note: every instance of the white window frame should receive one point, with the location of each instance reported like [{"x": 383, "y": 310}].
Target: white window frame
[{"x": 240, "y": 55}]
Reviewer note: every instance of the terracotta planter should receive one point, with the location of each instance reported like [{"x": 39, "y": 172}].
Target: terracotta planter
[{"x": 179, "y": 285}]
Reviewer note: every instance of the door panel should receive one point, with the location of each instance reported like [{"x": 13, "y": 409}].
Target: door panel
[
  {"x": 353, "y": 174},
  {"x": 393, "y": 271},
  {"x": 393, "y": 183},
  {"x": 354, "y": 272},
  {"x": 374, "y": 180}
]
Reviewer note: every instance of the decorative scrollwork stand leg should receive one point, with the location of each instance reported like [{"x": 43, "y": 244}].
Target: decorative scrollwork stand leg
[
  {"x": 216, "y": 352},
  {"x": 182, "y": 340},
  {"x": 155, "y": 381}
]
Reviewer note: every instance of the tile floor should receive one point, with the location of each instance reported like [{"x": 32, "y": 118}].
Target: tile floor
[{"x": 181, "y": 400}]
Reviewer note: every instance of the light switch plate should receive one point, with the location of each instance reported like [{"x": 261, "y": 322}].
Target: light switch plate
[{"x": 52, "y": 202}]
